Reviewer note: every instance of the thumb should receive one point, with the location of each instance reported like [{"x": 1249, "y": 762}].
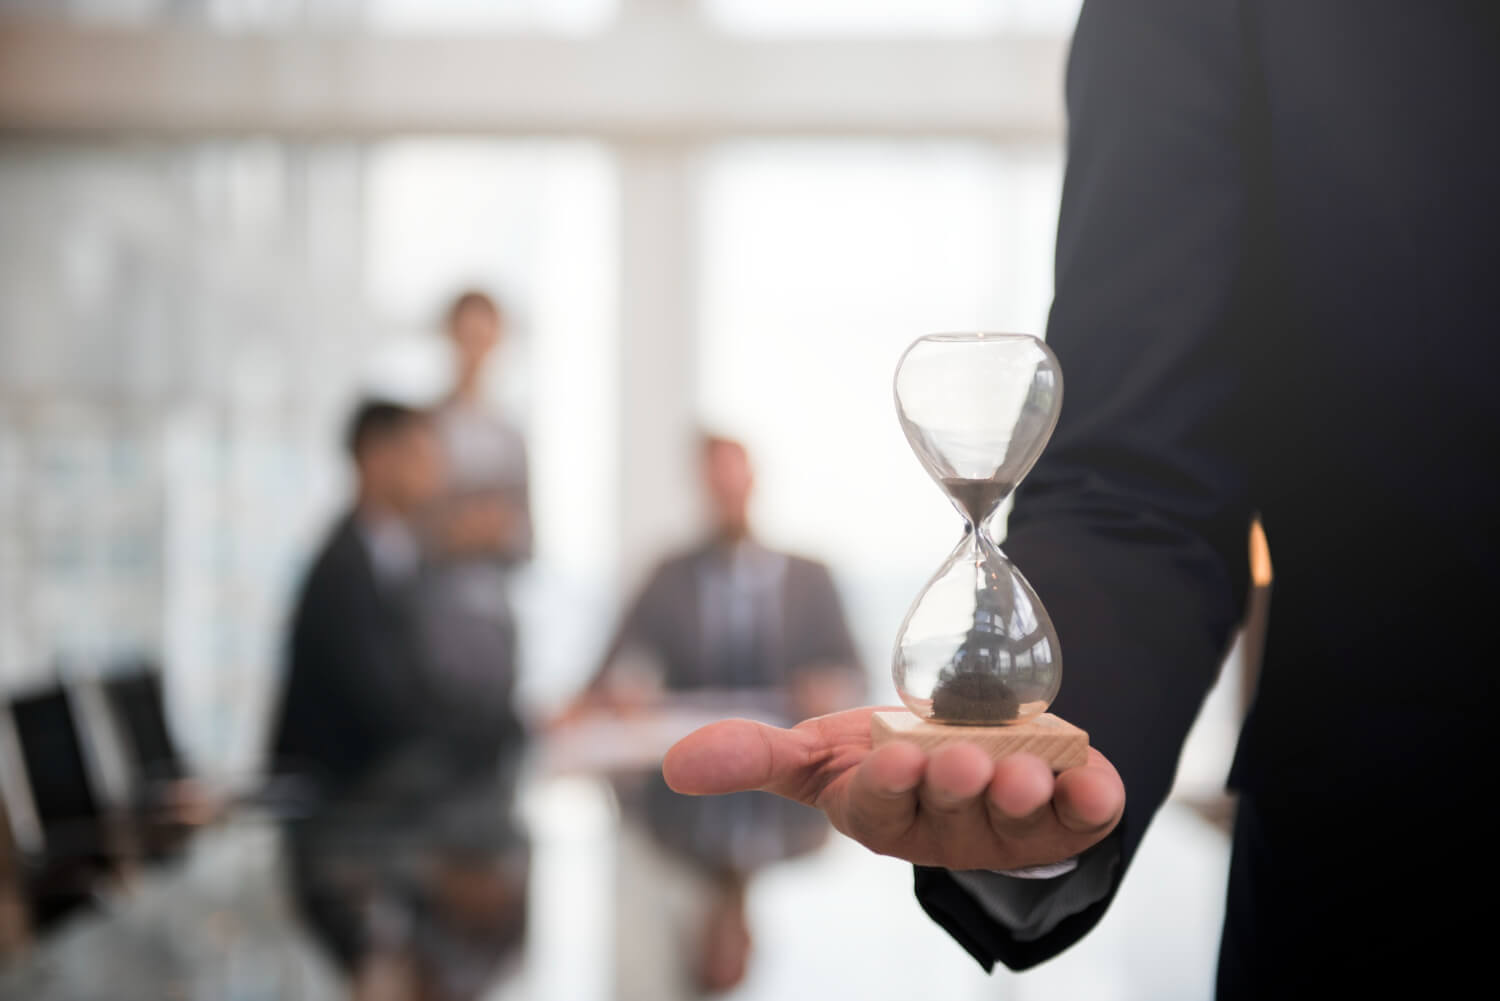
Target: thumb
[{"x": 735, "y": 755}]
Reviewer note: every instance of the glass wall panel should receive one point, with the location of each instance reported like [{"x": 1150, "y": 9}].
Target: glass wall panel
[
  {"x": 534, "y": 223},
  {"x": 182, "y": 332},
  {"x": 821, "y": 262}
]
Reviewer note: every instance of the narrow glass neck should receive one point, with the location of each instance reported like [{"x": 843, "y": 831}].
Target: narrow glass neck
[{"x": 979, "y": 545}]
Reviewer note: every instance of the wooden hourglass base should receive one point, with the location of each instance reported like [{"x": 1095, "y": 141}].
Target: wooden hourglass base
[{"x": 1054, "y": 740}]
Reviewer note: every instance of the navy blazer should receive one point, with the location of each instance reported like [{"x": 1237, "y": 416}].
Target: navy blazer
[{"x": 1276, "y": 292}]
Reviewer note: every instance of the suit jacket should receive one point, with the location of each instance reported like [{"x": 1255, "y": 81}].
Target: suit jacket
[
  {"x": 1276, "y": 291},
  {"x": 377, "y": 670},
  {"x": 666, "y": 620},
  {"x": 799, "y": 626},
  {"x": 353, "y": 672}
]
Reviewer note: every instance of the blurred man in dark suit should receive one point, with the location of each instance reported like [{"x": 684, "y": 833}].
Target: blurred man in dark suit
[
  {"x": 730, "y": 618},
  {"x": 1276, "y": 292},
  {"x": 411, "y": 869},
  {"x": 355, "y": 652}
]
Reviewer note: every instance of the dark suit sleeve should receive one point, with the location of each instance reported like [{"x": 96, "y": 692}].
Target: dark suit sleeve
[{"x": 1133, "y": 527}]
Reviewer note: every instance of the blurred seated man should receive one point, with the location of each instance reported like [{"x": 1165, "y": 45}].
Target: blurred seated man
[
  {"x": 411, "y": 869},
  {"x": 733, "y": 616}
]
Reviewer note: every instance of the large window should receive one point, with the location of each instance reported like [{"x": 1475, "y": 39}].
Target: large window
[
  {"x": 534, "y": 222},
  {"x": 182, "y": 330},
  {"x": 821, "y": 262}
]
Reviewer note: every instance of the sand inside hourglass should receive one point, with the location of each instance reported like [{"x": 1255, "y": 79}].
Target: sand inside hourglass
[{"x": 977, "y": 498}]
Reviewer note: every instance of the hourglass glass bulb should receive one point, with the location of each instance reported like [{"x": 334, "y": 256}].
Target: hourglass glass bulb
[{"x": 977, "y": 646}]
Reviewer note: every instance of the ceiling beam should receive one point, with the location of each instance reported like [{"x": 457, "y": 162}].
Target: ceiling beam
[{"x": 655, "y": 79}]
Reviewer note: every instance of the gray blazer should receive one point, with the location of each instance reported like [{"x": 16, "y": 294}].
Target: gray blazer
[
  {"x": 682, "y": 622},
  {"x": 803, "y": 628}
]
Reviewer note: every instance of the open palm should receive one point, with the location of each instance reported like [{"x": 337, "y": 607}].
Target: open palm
[{"x": 955, "y": 808}]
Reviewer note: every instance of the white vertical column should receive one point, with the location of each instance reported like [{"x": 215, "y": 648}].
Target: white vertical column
[{"x": 660, "y": 506}]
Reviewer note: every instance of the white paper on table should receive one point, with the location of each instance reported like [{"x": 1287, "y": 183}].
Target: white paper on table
[{"x": 619, "y": 743}]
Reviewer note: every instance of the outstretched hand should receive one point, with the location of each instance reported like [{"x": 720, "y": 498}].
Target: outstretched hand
[{"x": 955, "y": 808}]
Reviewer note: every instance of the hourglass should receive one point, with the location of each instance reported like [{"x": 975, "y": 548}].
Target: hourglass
[{"x": 977, "y": 658}]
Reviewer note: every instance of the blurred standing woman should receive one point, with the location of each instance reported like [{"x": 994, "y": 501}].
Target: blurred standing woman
[
  {"x": 485, "y": 522},
  {"x": 480, "y": 529}
]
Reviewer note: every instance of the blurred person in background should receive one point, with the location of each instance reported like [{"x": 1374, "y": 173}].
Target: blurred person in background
[
  {"x": 411, "y": 869},
  {"x": 480, "y": 529},
  {"x": 730, "y": 618}
]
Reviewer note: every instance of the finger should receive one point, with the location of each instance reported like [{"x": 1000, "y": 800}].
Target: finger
[
  {"x": 956, "y": 776},
  {"x": 735, "y": 755},
  {"x": 1020, "y": 794},
  {"x": 882, "y": 798},
  {"x": 1089, "y": 799}
]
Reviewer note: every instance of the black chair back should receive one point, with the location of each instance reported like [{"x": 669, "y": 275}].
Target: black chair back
[
  {"x": 139, "y": 707},
  {"x": 63, "y": 790},
  {"x": 77, "y": 848}
]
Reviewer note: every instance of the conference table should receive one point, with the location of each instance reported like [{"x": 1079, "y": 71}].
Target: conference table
[{"x": 218, "y": 921}]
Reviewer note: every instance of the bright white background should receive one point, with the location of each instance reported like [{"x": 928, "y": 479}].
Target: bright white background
[{"x": 183, "y": 323}]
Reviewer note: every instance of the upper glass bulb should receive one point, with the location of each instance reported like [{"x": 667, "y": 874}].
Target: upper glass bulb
[{"x": 977, "y": 646}]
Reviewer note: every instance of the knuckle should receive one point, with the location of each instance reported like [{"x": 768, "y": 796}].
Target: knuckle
[
  {"x": 945, "y": 806},
  {"x": 874, "y": 827},
  {"x": 1017, "y": 825},
  {"x": 864, "y": 829}
]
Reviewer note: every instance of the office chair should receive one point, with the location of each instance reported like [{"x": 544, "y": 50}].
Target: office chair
[{"x": 80, "y": 845}]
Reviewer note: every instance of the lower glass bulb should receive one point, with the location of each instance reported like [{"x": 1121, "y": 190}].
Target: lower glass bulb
[{"x": 977, "y": 647}]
